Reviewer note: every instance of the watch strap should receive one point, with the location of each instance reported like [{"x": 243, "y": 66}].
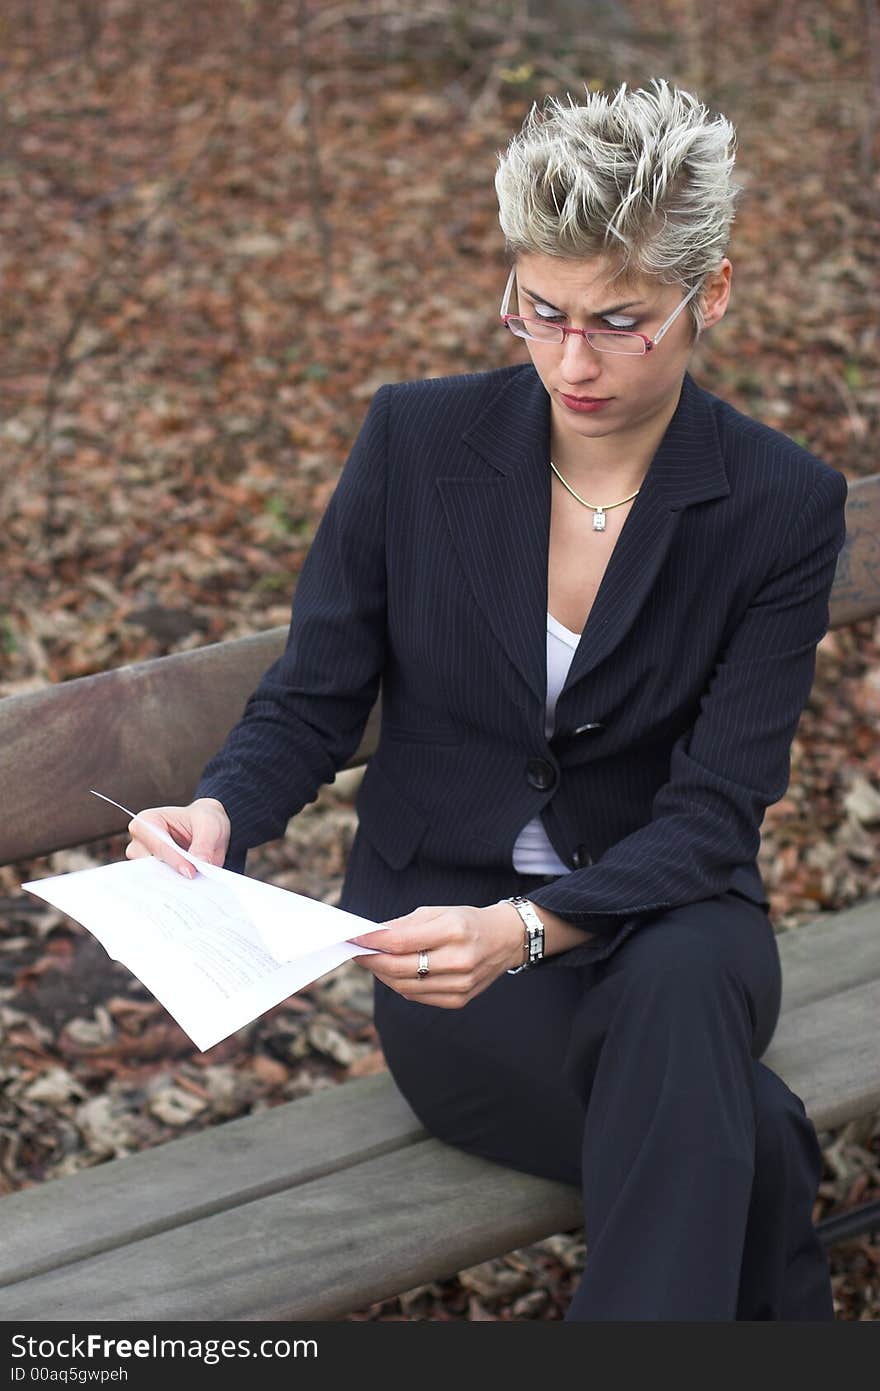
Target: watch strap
[{"x": 533, "y": 943}]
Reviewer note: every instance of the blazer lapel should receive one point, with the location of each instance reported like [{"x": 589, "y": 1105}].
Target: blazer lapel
[
  {"x": 498, "y": 511},
  {"x": 499, "y": 519},
  {"x": 687, "y": 468}
]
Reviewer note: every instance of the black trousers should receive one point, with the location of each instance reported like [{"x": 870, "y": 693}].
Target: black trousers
[{"x": 638, "y": 1079}]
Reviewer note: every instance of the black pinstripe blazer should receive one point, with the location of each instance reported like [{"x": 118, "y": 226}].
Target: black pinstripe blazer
[{"x": 428, "y": 572}]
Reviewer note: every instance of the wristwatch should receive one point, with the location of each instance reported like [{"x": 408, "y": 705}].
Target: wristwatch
[{"x": 533, "y": 945}]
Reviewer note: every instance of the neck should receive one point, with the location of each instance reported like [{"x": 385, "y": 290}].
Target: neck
[
  {"x": 601, "y": 484},
  {"x": 612, "y": 464}
]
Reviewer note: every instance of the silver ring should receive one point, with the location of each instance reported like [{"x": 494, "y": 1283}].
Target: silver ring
[{"x": 423, "y": 964}]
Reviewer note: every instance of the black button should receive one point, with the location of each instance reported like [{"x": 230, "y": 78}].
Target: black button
[
  {"x": 540, "y": 774},
  {"x": 586, "y": 728},
  {"x": 581, "y": 857}
]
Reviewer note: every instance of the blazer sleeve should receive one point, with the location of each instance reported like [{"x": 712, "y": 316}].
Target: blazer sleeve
[
  {"x": 734, "y": 760},
  {"x": 306, "y": 717}
]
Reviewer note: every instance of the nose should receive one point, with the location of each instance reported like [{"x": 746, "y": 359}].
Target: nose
[{"x": 580, "y": 362}]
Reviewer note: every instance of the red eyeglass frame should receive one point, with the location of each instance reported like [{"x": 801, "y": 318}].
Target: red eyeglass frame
[{"x": 589, "y": 333}]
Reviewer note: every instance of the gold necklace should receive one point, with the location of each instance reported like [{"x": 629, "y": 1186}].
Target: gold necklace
[{"x": 599, "y": 518}]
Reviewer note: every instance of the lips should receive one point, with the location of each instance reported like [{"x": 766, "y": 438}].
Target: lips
[{"x": 584, "y": 404}]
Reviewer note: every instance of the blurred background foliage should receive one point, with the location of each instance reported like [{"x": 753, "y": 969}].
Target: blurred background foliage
[{"x": 225, "y": 223}]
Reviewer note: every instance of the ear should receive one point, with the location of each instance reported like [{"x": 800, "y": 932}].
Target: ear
[{"x": 715, "y": 294}]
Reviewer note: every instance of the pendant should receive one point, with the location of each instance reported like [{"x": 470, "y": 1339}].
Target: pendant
[{"x": 599, "y": 520}]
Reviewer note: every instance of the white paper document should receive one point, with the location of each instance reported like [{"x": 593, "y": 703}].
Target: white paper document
[{"x": 217, "y": 950}]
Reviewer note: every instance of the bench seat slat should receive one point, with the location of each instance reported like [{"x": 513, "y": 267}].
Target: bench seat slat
[
  {"x": 832, "y": 952},
  {"x": 253, "y": 1156},
  {"x": 71, "y": 1218},
  {"x": 316, "y": 1251},
  {"x": 326, "y": 1244},
  {"x": 827, "y": 1051}
]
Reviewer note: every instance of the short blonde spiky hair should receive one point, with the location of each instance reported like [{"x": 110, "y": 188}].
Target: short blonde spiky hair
[{"x": 644, "y": 177}]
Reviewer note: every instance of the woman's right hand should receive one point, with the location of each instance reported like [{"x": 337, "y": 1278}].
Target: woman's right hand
[{"x": 202, "y": 828}]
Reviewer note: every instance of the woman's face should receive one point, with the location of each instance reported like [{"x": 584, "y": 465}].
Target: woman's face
[{"x": 594, "y": 394}]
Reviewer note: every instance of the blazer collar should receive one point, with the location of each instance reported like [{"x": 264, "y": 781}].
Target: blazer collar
[
  {"x": 499, "y": 518},
  {"x": 513, "y": 433}
]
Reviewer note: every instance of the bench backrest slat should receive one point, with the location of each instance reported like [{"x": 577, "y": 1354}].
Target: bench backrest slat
[{"x": 143, "y": 733}]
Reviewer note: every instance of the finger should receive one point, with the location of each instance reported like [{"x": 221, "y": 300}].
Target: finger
[
  {"x": 451, "y": 995},
  {"x": 203, "y": 832},
  {"x": 139, "y": 829},
  {"x": 210, "y": 845},
  {"x": 401, "y": 973},
  {"x": 444, "y": 976},
  {"x": 417, "y": 916},
  {"x": 420, "y": 930},
  {"x": 403, "y": 945},
  {"x": 177, "y": 822},
  {"x": 212, "y": 852}
]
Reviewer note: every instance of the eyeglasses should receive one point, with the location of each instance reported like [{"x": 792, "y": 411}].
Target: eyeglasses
[{"x": 604, "y": 340}]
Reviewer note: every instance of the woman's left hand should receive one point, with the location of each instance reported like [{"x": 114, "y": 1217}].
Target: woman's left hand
[{"x": 467, "y": 949}]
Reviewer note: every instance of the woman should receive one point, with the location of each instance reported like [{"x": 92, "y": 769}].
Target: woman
[{"x": 592, "y": 593}]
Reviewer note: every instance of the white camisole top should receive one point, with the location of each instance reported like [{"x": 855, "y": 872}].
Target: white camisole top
[{"x": 532, "y": 851}]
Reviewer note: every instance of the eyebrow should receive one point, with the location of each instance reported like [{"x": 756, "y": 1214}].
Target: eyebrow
[{"x": 600, "y": 313}]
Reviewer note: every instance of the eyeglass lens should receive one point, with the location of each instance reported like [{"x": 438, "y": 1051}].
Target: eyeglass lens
[{"x": 619, "y": 342}]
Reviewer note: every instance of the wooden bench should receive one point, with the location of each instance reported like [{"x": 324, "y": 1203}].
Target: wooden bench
[{"x": 317, "y": 1207}]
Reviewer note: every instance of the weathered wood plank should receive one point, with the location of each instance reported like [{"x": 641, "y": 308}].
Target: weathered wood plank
[
  {"x": 829, "y": 954},
  {"x": 856, "y": 591},
  {"x": 419, "y": 1212},
  {"x": 828, "y": 1051},
  {"x": 236, "y": 1162},
  {"x": 316, "y": 1251},
  {"x": 304, "y": 1152},
  {"x": 161, "y": 720},
  {"x": 159, "y": 723},
  {"x": 140, "y": 729}
]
